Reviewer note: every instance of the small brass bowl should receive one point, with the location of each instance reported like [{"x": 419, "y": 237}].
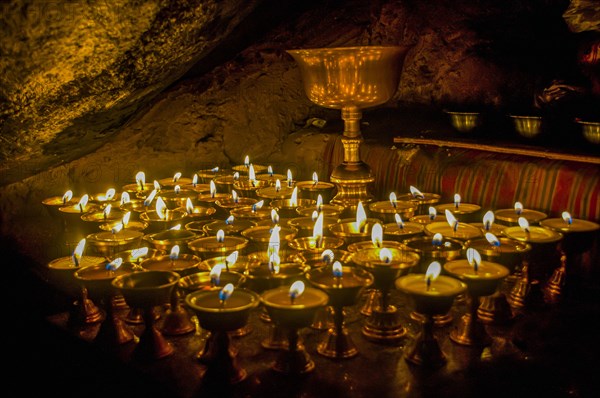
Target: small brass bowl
[
  {"x": 527, "y": 126},
  {"x": 465, "y": 122},
  {"x": 590, "y": 130}
]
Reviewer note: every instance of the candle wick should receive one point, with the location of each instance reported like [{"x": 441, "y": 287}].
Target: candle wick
[
  {"x": 428, "y": 283},
  {"x": 80, "y": 208},
  {"x": 292, "y": 298},
  {"x": 227, "y": 265},
  {"x": 76, "y": 261}
]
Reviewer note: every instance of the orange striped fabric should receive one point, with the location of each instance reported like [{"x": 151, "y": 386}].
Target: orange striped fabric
[{"x": 492, "y": 180}]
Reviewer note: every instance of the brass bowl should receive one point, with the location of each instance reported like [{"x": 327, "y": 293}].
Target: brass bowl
[
  {"x": 527, "y": 126},
  {"x": 464, "y": 122},
  {"x": 146, "y": 289},
  {"x": 590, "y": 130}
]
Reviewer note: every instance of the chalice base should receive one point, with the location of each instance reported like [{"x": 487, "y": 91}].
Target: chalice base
[
  {"x": 83, "y": 313},
  {"x": 337, "y": 346},
  {"x": 293, "y": 362},
  {"x": 177, "y": 322},
  {"x": 470, "y": 332},
  {"x": 384, "y": 326},
  {"x": 372, "y": 299},
  {"x": 426, "y": 353},
  {"x": 277, "y": 339},
  {"x": 352, "y": 180},
  {"x": 113, "y": 331},
  {"x": 152, "y": 345},
  {"x": 135, "y": 316},
  {"x": 323, "y": 318},
  {"x": 494, "y": 310},
  {"x": 439, "y": 320},
  {"x": 241, "y": 332},
  {"x": 221, "y": 360}
]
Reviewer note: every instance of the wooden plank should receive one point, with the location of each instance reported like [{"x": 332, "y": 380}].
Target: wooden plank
[{"x": 512, "y": 150}]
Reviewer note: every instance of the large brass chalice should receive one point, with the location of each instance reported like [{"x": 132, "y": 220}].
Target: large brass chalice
[{"x": 351, "y": 79}]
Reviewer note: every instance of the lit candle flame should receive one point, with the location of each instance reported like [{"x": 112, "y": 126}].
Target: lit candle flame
[
  {"x": 274, "y": 262},
  {"x": 229, "y": 220},
  {"x": 393, "y": 200},
  {"x": 150, "y": 198},
  {"x": 433, "y": 271},
  {"x": 226, "y": 292},
  {"x": 337, "y": 269},
  {"x": 176, "y": 176},
  {"x": 215, "y": 169},
  {"x": 174, "y": 255},
  {"x": 524, "y": 224},
  {"x": 189, "y": 206},
  {"x": 437, "y": 239},
  {"x": 488, "y": 220},
  {"x": 377, "y": 235},
  {"x": 318, "y": 231},
  {"x": 231, "y": 259},
  {"x": 452, "y": 221},
  {"x": 67, "y": 197},
  {"x": 161, "y": 208},
  {"x": 361, "y": 217},
  {"x": 115, "y": 264},
  {"x": 78, "y": 252},
  {"x": 177, "y": 189},
  {"x": 274, "y": 216},
  {"x": 314, "y": 215},
  {"x": 474, "y": 258},
  {"x": 518, "y": 208},
  {"x": 315, "y": 178},
  {"x": 215, "y": 274},
  {"x": 83, "y": 201},
  {"x": 220, "y": 236},
  {"x": 385, "y": 255},
  {"x": 110, "y": 194},
  {"x": 116, "y": 228},
  {"x": 327, "y": 256},
  {"x": 213, "y": 188},
  {"x": 106, "y": 211},
  {"x": 319, "y": 203},
  {"x": 399, "y": 221},
  {"x": 432, "y": 213},
  {"x": 566, "y": 216},
  {"x": 277, "y": 185},
  {"x": 252, "y": 175},
  {"x": 157, "y": 185},
  {"x": 195, "y": 180},
  {"x": 140, "y": 252},
  {"x": 234, "y": 196},
  {"x": 416, "y": 193},
  {"x": 270, "y": 171},
  {"x": 140, "y": 179},
  {"x": 289, "y": 178},
  {"x": 456, "y": 200},
  {"x": 236, "y": 175},
  {"x": 125, "y": 198},
  {"x": 294, "y": 198},
  {"x": 296, "y": 290},
  {"x": 492, "y": 239},
  {"x": 258, "y": 205},
  {"x": 175, "y": 228},
  {"x": 274, "y": 241},
  {"x": 247, "y": 161}
]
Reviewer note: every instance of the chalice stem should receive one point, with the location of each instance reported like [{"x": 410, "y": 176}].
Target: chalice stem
[{"x": 293, "y": 340}]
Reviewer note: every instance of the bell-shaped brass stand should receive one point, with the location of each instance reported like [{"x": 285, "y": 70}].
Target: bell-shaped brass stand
[
  {"x": 384, "y": 324},
  {"x": 439, "y": 320},
  {"x": 220, "y": 357},
  {"x": 83, "y": 312},
  {"x": 177, "y": 320},
  {"x": 372, "y": 299},
  {"x": 293, "y": 360},
  {"x": 113, "y": 330},
  {"x": 555, "y": 284},
  {"x": 152, "y": 344},
  {"x": 276, "y": 339},
  {"x": 338, "y": 343},
  {"x": 469, "y": 331},
  {"x": 494, "y": 309},
  {"x": 426, "y": 349},
  {"x": 323, "y": 319}
]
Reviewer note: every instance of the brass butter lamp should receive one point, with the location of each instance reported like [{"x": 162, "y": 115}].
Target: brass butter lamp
[{"x": 351, "y": 79}]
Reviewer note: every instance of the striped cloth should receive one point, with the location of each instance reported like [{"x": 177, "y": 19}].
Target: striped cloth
[{"x": 491, "y": 180}]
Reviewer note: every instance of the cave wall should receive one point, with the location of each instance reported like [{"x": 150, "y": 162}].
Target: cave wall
[{"x": 149, "y": 102}]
